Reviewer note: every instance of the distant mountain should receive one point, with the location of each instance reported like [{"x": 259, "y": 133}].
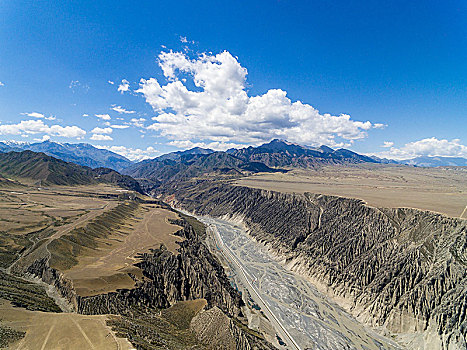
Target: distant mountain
[
  {"x": 384, "y": 160},
  {"x": 281, "y": 153},
  {"x": 270, "y": 157},
  {"x": 179, "y": 154},
  {"x": 426, "y": 161},
  {"x": 7, "y": 147},
  {"x": 187, "y": 166},
  {"x": 4, "y": 148},
  {"x": 50, "y": 170},
  {"x": 80, "y": 153}
]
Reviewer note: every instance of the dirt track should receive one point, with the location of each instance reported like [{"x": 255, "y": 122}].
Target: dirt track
[{"x": 65, "y": 331}]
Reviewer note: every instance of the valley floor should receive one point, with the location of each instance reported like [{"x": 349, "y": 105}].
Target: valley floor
[{"x": 301, "y": 315}]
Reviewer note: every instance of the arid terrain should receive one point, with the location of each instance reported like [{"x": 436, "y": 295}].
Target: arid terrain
[
  {"x": 442, "y": 190},
  {"x": 46, "y": 330},
  {"x": 29, "y": 214},
  {"x": 106, "y": 268},
  {"x": 99, "y": 266},
  {"x": 329, "y": 256}
]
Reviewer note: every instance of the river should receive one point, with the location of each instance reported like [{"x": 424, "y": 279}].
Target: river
[{"x": 302, "y": 316}]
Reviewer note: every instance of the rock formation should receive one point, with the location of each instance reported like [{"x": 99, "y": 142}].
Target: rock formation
[
  {"x": 193, "y": 274},
  {"x": 401, "y": 269}
]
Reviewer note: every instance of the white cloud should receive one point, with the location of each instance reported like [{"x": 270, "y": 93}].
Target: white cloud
[
  {"x": 387, "y": 144},
  {"x": 35, "y": 115},
  {"x": 110, "y": 82},
  {"x": 99, "y": 137},
  {"x": 138, "y": 122},
  {"x": 122, "y": 110},
  {"x": 44, "y": 138},
  {"x": 103, "y": 116},
  {"x": 101, "y": 130},
  {"x": 220, "y": 146},
  {"x": 116, "y": 126},
  {"x": 184, "y": 40},
  {"x": 85, "y": 115},
  {"x": 133, "y": 153},
  {"x": 427, "y": 147},
  {"x": 124, "y": 86},
  {"x": 2, "y": 84},
  {"x": 39, "y": 116},
  {"x": 219, "y": 109},
  {"x": 76, "y": 85},
  {"x": 26, "y": 127}
]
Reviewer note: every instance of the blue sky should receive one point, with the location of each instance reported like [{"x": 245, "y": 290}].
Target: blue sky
[{"x": 250, "y": 71}]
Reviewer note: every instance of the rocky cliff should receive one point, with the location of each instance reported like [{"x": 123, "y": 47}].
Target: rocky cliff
[
  {"x": 193, "y": 274},
  {"x": 402, "y": 269}
]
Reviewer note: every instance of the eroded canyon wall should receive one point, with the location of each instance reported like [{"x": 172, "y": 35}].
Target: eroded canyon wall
[{"x": 400, "y": 269}]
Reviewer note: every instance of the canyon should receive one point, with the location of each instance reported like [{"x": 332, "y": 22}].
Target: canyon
[
  {"x": 213, "y": 251},
  {"x": 399, "y": 270}
]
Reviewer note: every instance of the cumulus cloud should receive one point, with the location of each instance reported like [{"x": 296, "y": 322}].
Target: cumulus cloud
[
  {"x": 110, "y": 82},
  {"x": 218, "y": 109},
  {"x": 98, "y": 130},
  {"x": 135, "y": 154},
  {"x": 26, "y": 127},
  {"x": 121, "y": 110},
  {"x": 124, "y": 86},
  {"x": 427, "y": 147},
  {"x": 2, "y": 84},
  {"x": 99, "y": 137},
  {"x": 103, "y": 116}
]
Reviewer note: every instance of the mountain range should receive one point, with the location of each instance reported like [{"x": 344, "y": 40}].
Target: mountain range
[
  {"x": 48, "y": 170},
  {"x": 426, "y": 161},
  {"x": 79, "y": 153},
  {"x": 272, "y": 156},
  {"x": 281, "y": 153}
]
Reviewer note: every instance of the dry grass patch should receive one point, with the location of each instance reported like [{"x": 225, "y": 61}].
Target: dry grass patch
[
  {"x": 29, "y": 214},
  {"x": 45, "y": 330},
  {"x": 442, "y": 190},
  {"x": 106, "y": 264}
]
